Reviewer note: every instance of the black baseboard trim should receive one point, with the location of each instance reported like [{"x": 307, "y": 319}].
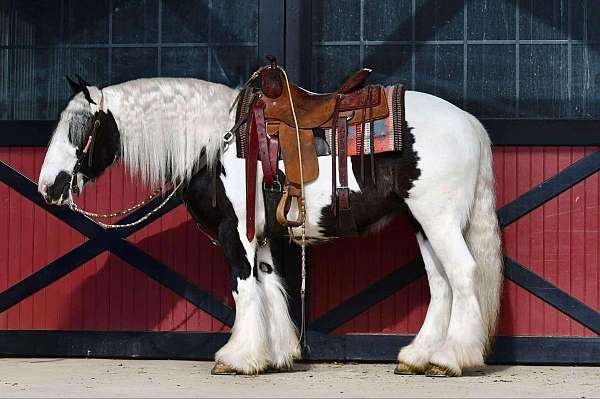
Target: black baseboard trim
[{"x": 349, "y": 347}]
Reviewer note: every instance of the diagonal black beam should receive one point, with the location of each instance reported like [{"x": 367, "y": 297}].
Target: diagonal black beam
[
  {"x": 549, "y": 189},
  {"x": 50, "y": 273},
  {"x": 100, "y": 240},
  {"x": 174, "y": 281},
  {"x": 73, "y": 259},
  {"x": 368, "y": 297},
  {"x": 553, "y": 295},
  {"x": 28, "y": 189},
  {"x": 403, "y": 276}
]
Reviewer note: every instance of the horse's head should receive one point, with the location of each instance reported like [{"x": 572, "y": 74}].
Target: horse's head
[{"x": 86, "y": 141}]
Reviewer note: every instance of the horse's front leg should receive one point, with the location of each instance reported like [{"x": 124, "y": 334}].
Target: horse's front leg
[
  {"x": 247, "y": 351},
  {"x": 283, "y": 337}
]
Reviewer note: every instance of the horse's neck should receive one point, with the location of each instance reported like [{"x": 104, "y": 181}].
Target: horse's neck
[{"x": 165, "y": 124}]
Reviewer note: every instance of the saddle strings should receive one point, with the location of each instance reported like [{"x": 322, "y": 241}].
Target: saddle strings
[{"x": 301, "y": 209}]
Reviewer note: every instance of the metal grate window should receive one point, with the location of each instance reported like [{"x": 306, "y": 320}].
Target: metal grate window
[
  {"x": 495, "y": 58},
  {"x": 111, "y": 41}
]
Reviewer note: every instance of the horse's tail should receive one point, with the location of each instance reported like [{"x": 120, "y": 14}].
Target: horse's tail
[{"x": 482, "y": 234}]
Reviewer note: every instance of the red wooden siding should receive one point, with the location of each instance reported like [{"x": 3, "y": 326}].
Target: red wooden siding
[
  {"x": 559, "y": 241},
  {"x": 105, "y": 293}
]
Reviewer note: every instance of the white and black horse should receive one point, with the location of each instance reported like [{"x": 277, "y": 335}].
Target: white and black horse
[{"x": 442, "y": 178}]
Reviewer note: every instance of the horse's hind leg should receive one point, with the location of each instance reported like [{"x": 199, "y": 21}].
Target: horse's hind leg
[
  {"x": 414, "y": 358},
  {"x": 283, "y": 337},
  {"x": 465, "y": 340}
]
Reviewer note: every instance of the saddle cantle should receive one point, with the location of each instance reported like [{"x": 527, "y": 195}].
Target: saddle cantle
[{"x": 270, "y": 134}]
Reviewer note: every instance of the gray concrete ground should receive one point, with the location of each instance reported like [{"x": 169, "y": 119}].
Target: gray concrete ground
[{"x": 154, "y": 378}]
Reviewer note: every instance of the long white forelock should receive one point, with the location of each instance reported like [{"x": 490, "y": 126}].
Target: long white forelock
[{"x": 166, "y": 123}]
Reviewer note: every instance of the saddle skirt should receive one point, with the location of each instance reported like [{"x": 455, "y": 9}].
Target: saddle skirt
[{"x": 387, "y": 132}]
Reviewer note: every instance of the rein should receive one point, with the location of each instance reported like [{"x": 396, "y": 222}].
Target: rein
[{"x": 87, "y": 150}]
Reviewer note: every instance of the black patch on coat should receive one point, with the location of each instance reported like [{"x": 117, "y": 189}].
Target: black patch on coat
[
  {"x": 106, "y": 146},
  {"x": 59, "y": 187},
  {"x": 395, "y": 173},
  {"x": 221, "y": 221},
  {"x": 266, "y": 268}
]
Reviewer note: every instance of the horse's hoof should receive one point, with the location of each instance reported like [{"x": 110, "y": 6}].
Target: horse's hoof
[
  {"x": 404, "y": 369},
  {"x": 222, "y": 369},
  {"x": 440, "y": 371}
]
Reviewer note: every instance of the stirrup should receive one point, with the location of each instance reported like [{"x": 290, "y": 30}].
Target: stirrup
[{"x": 289, "y": 193}]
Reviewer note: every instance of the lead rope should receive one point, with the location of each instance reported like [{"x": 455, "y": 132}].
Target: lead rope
[
  {"x": 122, "y": 212},
  {"x": 75, "y": 208},
  {"x": 301, "y": 209}
]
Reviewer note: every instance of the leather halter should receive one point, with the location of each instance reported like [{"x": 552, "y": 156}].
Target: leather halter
[{"x": 88, "y": 149}]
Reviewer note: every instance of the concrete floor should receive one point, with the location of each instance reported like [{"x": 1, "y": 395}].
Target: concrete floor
[{"x": 154, "y": 378}]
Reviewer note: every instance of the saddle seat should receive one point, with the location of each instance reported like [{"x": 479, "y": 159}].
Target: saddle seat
[{"x": 315, "y": 110}]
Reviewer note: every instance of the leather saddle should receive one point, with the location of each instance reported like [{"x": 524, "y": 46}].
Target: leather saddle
[{"x": 272, "y": 135}]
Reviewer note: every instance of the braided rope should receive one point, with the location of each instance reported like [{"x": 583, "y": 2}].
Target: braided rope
[
  {"x": 75, "y": 208},
  {"x": 121, "y": 212}
]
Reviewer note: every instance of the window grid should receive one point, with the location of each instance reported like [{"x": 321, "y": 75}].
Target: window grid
[
  {"x": 18, "y": 40},
  {"x": 566, "y": 108}
]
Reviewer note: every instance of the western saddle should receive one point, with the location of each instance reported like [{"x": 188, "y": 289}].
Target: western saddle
[{"x": 276, "y": 121}]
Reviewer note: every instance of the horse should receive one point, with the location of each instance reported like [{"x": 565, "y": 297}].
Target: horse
[{"x": 172, "y": 130}]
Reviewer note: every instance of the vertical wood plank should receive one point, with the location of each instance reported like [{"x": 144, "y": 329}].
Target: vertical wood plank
[
  {"x": 89, "y": 270},
  {"x": 577, "y": 270},
  {"x": 115, "y": 296},
  {"x": 40, "y": 250},
  {"x": 522, "y": 238},
  {"x": 591, "y": 242},
  {"x": 104, "y": 260},
  {"x": 510, "y": 232},
  {"x": 536, "y": 260},
  {"x": 140, "y": 282},
  {"x": 14, "y": 239},
  {"x": 129, "y": 273},
  {"x": 551, "y": 225},
  {"x": 4, "y": 232},
  {"x": 179, "y": 251},
  {"x": 564, "y": 239},
  {"x": 27, "y": 239}
]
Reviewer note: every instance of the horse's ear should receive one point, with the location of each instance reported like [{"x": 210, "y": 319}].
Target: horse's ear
[
  {"x": 83, "y": 87},
  {"x": 81, "y": 81},
  {"x": 74, "y": 86}
]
